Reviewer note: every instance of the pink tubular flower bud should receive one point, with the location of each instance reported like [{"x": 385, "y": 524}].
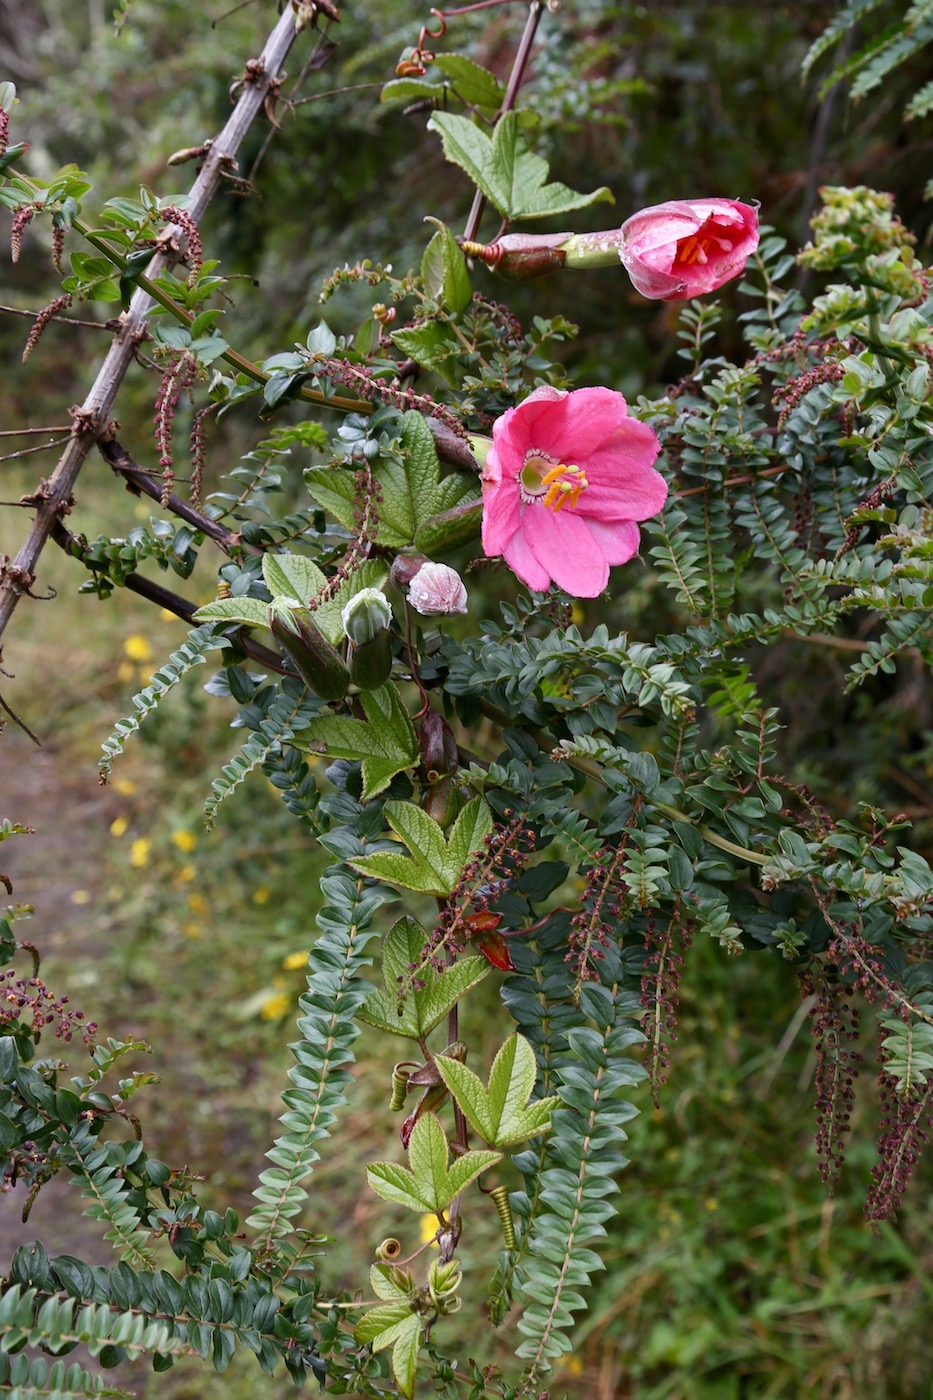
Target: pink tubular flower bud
[
  {"x": 436, "y": 590},
  {"x": 686, "y": 247},
  {"x": 671, "y": 251}
]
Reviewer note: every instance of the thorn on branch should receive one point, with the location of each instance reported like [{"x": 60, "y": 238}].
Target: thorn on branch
[
  {"x": 86, "y": 421},
  {"x": 21, "y": 580},
  {"x": 253, "y": 72}
]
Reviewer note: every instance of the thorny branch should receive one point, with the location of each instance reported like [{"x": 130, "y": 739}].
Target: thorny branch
[{"x": 93, "y": 417}]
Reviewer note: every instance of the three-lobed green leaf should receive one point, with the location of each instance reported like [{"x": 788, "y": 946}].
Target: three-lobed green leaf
[
  {"x": 500, "y": 1113},
  {"x": 436, "y": 861},
  {"x": 411, "y": 486},
  {"x": 385, "y": 741},
  {"x": 415, "y": 1013},
  {"x": 394, "y": 1323},
  {"x": 505, "y": 170},
  {"x": 431, "y": 1184}
]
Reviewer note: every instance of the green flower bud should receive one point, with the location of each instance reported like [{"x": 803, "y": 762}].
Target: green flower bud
[
  {"x": 371, "y": 662},
  {"x": 521, "y": 256},
  {"x": 366, "y": 615},
  {"x": 321, "y": 667}
]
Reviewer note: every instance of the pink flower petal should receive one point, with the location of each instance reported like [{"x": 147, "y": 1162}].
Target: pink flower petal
[
  {"x": 524, "y": 565},
  {"x": 585, "y": 421},
  {"x": 619, "y": 542},
  {"x": 502, "y": 511},
  {"x": 564, "y": 545}
]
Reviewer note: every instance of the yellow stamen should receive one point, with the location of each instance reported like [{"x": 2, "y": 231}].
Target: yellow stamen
[
  {"x": 698, "y": 247},
  {"x": 560, "y": 491}
]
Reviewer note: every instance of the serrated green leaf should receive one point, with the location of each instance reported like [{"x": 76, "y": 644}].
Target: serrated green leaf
[
  {"x": 334, "y": 488},
  {"x": 405, "y": 1357},
  {"x": 469, "y": 831},
  {"x": 435, "y": 1001},
  {"x": 409, "y": 90},
  {"x": 396, "y": 1183},
  {"x": 505, "y": 170},
  {"x": 416, "y": 1013},
  {"x": 475, "y": 86},
  {"x": 455, "y": 280},
  {"x": 411, "y": 487},
  {"x": 390, "y": 1283},
  {"x": 385, "y": 742},
  {"x": 432, "y": 267},
  {"x": 380, "y": 1326},
  {"x": 429, "y": 345},
  {"x": 499, "y": 1113},
  {"x": 248, "y": 612},
  {"x": 372, "y": 573},
  {"x": 292, "y": 576},
  {"x": 429, "y": 1186},
  {"x": 435, "y": 863}
]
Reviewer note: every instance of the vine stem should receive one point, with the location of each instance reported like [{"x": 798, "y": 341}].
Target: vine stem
[
  {"x": 93, "y": 416},
  {"x": 461, "y": 1139},
  {"x": 508, "y": 102}
]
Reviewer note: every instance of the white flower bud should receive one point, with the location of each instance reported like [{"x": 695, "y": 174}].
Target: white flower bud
[
  {"x": 366, "y": 615},
  {"x": 437, "y": 589}
]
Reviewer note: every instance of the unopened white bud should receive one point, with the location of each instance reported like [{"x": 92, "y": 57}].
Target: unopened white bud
[
  {"x": 437, "y": 589},
  {"x": 366, "y": 615}
]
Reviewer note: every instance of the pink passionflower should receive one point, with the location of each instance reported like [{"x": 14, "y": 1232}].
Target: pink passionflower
[
  {"x": 687, "y": 247},
  {"x": 566, "y": 478}
]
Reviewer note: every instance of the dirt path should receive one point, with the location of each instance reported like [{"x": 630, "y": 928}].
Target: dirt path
[{"x": 61, "y": 860}]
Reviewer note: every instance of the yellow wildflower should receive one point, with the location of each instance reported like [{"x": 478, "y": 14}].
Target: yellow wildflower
[
  {"x": 428, "y": 1228},
  {"x": 275, "y": 1006},
  {"x": 118, "y": 826},
  {"x": 184, "y": 840},
  {"x": 295, "y": 961},
  {"x": 138, "y": 648},
  {"x": 139, "y": 852}
]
